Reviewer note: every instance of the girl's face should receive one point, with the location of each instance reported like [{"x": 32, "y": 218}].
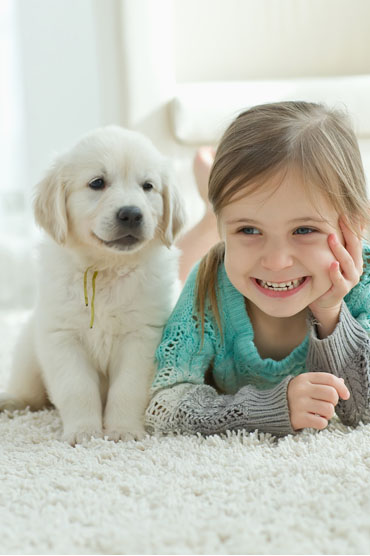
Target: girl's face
[{"x": 276, "y": 249}]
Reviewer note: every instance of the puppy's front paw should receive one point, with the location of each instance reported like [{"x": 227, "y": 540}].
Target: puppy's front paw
[
  {"x": 80, "y": 436},
  {"x": 10, "y": 403},
  {"x": 125, "y": 433}
]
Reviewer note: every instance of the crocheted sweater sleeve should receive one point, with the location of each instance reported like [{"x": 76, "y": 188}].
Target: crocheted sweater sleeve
[
  {"x": 181, "y": 356},
  {"x": 183, "y": 403},
  {"x": 346, "y": 352}
]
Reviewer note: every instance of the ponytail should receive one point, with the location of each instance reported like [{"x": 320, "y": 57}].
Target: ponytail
[{"x": 206, "y": 284}]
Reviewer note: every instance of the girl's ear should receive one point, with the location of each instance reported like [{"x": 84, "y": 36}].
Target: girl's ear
[
  {"x": 50, "y": 204},
  {"x": 173, "y": 212}
]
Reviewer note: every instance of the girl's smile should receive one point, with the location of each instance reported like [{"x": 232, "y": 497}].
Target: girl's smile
[
  {"x": 281, "y": 289},
  {"x": 276, "y": 244}
]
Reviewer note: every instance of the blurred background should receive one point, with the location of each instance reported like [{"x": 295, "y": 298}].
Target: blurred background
[{"x": 177, "y": 70}]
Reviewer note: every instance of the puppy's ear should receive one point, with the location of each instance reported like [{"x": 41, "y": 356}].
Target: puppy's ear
[
  {"x": 50, "y": 204},
  {"x": 173, "y": 213}
]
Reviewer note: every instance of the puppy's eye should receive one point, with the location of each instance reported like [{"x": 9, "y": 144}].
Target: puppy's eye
[
  {"x": 97, "y": 183},
  {"x": 147, "y": 186}
]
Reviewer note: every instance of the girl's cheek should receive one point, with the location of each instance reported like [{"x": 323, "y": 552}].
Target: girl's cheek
[
  {"x": 326, "y": 257},
  {"x": 323, "y": 260},
  {"x": 322, "y": 257},
  {"x": 319, "y": 258},
  {"x": 321, "y": 251}
]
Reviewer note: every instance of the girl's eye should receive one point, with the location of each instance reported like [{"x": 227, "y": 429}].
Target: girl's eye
[
  {"x": 304, "y": 231},
  {"x": 97, "y": 184},
  {"x": 147, "y": 186},
  {"x": 249, "y": 231}
]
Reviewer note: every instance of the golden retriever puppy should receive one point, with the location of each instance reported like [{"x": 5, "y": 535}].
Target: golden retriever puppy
[{"x": 108, "y": 281}]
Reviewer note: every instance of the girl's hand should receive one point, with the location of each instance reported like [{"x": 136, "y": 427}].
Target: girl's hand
[
  {"x": 344, "y": 274},
  {"x": 312, "y": 398}
]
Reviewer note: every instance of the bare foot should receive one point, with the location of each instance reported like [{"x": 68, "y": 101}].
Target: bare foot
[
  {"x": 203, "y": 161},
  {"x": 199, "y": 239}
]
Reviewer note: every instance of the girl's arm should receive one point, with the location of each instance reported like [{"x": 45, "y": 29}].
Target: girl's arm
[
  {"x": 190, "y": 408},
  {"x": 181, "y": 400},
  {"x": 342, "y": 346},
  {"x": 345, "y": 354}
]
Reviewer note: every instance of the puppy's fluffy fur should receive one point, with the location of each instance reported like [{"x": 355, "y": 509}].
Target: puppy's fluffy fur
[{"x": 112, "y": 214}]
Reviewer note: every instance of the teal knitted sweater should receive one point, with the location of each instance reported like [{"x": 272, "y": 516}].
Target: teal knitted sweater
[{"x": 234, "y": 359}]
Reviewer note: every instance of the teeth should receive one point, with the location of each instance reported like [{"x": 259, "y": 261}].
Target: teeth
[{"x": 281, "y": 286}]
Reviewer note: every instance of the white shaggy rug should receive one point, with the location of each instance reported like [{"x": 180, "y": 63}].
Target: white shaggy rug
[{"x": 237, "y": 494}]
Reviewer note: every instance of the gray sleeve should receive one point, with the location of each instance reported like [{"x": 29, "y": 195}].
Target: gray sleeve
[
  {"x": 345, "y": 354},
  {"x": 189, "y": 408}
]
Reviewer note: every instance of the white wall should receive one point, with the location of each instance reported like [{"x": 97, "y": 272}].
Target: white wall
[
  {"x": 69, "y": 69},
  {"x": 87, "y": 63},
  {"x": 218, "y": 40}
]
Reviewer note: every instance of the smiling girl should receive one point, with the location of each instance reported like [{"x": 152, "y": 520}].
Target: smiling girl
[{"x": 271, "y": 331}]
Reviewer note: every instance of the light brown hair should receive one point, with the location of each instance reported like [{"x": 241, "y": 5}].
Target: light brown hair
[{"x": 265, "y": 139}]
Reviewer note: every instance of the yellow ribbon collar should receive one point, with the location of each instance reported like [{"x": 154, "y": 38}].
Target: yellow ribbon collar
[{"x": 93, "y": 294}]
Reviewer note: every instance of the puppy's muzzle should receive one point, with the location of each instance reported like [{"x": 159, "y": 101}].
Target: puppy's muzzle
[
  {"x": 128, "y": 228},
  {"x": 130, "y": 217}
]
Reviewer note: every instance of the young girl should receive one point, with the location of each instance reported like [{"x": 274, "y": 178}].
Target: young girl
[{"x": 271, "y": 331}]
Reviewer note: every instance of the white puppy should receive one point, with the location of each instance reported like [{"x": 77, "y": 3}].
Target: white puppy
[{"x": 108, "y": 281}]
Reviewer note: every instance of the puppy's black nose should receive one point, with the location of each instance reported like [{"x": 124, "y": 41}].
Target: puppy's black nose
[{"x": 130, "y": 216}]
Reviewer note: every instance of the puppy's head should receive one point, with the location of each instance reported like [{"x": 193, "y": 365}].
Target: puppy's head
[{"x": 112, "y": 191}]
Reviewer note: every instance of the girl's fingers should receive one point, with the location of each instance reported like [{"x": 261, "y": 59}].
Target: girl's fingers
[
  {"x": 336, "y": 275},
  {"x": 339, "y": 287},
  {"x": 353, "y": 245},
  {"x": 324, "y": 409},
  {"x": 323, "y": 392},
  {"x": 328, "y": 380},
  {"x": 316, "y": 422},
  {"x": 351, "y": 269}
]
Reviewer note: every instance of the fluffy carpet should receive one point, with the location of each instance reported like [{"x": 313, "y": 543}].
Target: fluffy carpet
[{"x": 237, "y": 494}]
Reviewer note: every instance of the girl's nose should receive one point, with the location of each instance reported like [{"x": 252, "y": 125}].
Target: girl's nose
[{"x": 276, "y": 258}]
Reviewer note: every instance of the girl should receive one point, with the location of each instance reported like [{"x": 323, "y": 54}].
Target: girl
[{"x": 271, "y": 331}]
